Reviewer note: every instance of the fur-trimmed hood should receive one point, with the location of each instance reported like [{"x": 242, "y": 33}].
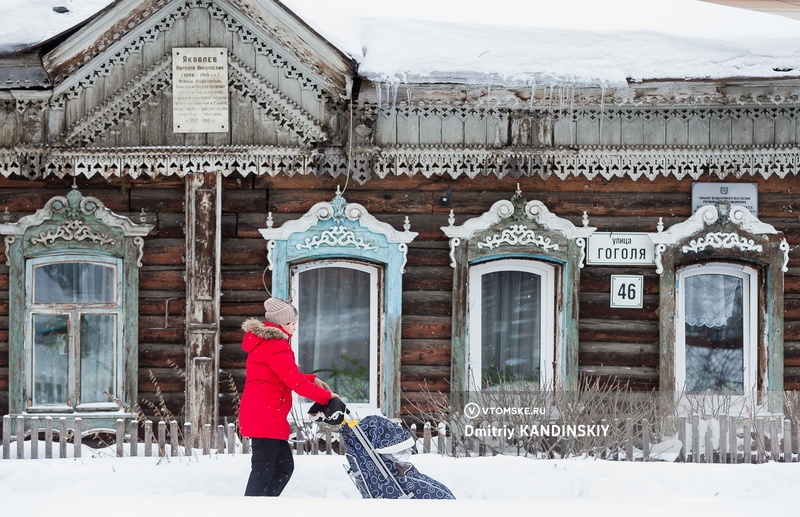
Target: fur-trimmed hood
[{"x": 262, "y": 331}]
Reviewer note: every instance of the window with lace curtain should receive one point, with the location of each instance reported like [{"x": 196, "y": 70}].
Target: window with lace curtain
[
  {"x": 716, "y": 328},
  {"x": 511, "y": 322},
  {"x": 337, "y": 333}
]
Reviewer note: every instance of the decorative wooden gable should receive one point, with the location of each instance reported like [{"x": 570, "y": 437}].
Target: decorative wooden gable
[
  {"x": 113, "y": 80},
  {"x": 725, "y": 234},
  {"x": 347, "y": 231},
  {"x": 528, "y": 231}
]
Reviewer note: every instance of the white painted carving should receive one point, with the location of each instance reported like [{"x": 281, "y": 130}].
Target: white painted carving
[
  {"x": 337, "y": 236},
  {"x": 722, "y": 240},
  {"x": 742, "y": 217},
  {"x": 517, "y": 235},
  {"x": 455, "y": 242},
  {"x": 784, "y": 247},
  {"x": 500, "y": 210}
]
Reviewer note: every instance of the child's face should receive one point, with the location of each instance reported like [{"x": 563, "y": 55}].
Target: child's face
[{"x": 290, "y": 327}]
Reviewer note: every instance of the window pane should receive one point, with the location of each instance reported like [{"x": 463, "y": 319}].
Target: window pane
[
  {"x": 98, "y": 335},
  {"x": 74, "y": 282},
  {"x": 714, "y": 333},
  {"x": 334, "y": 329},
  {"x": 50, "y": 358},
  {"x": 511, "y": 321}
]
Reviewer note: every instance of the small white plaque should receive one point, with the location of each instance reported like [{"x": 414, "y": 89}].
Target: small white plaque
[
  {"x": 200, "y": 90},
  {"x": 620, "y": 249},
  {"x": 627, "y": 291},
  {"x": 743, "y": 194}
]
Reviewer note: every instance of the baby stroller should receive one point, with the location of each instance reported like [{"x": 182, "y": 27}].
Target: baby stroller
[{"x": 377, "y": 451}]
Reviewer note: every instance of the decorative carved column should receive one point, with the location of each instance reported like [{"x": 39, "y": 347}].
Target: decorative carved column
[{"x": 203, "y": 222}]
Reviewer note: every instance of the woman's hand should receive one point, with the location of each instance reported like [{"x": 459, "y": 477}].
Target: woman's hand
[{"x": 322, "y": 384}]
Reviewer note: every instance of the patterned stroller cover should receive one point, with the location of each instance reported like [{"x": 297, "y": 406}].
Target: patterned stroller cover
[{"x": 376, "y": 449}]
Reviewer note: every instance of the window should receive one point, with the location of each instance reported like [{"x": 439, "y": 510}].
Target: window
[
  {"x": 72, "y": 316},
  {"x": 344, "y": 270},
  {"x": 337, "y": 335},
  {"x": 716, "y": 329},
  {"x": 73, "y": 311},
  {"x": 721, "y": 304},
  {"x": 511, "y": 322},
  {"x": 516, "y": 280}
]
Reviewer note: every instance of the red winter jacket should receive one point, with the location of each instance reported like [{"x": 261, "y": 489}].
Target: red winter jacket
[{"x": 271, "y": 375}]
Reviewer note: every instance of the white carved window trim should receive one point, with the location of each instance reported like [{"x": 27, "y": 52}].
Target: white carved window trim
[
  {"x": 749, "y": 277},
  {"x": 547, "y": 273},
  {"x": 376, "y": 312}
]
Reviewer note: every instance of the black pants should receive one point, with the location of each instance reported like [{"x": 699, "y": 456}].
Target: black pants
[{"x": 271, "y": 467}]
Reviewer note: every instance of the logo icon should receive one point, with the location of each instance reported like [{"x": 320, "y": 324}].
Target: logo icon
[
  {"x": 472, "y": 410},
  {"x": 723, "y": 190}
]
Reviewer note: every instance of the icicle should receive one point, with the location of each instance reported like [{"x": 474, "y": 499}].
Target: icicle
[
  {"x": 378, "y": 89},
  {"x": 395, "y": 89}
]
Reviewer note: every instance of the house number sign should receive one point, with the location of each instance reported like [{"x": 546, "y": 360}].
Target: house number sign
[
  {"x": 200, "y": 90},
  {"x": 626, "y": 291}
]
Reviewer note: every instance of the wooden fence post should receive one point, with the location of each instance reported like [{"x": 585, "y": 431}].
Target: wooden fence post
[
  {"x": 62, "y": 437},
  {"x": 787, "y": 440},
  {"x": 134, "y": 432},
  {"x": 120, "y": 436},
  {"x": 682, "y": 437},
  {"x": 48, "y": 437},
  {"x": 35, "y": 438},
  {"x": 231, "y": 438},
  {"x": 723, "y": 438},
  {"x": 20, "y": 437},
  {"x": 162, "y": 438},
  {"x": 732, "y": 428},
  {"x": 148, "y": 438},
  {"x": 761, "y": 442},
  {"x": 747, "y": 456},
  {"x": 328, "y": 440},
  {"x": 645, "y": 439},
  {"x": 206, "y": 439},
  {"x": 173, "y": 438},
  {"x": 188, "y": 439},
  {"x": 220, "y": 439},
  {"x": 774, "y": 441},
  {"x": 6, "y": 437},
  {"x": 77, "y": 438},
  {"x": 628, "y": 439},
  {"x": 709, "y": 446},
  {"x": 441, "y": 438},
  {"x": 426, "y": 438},
  {"x": 695, "y": 438},
  {"x": 245, "y": 445}
]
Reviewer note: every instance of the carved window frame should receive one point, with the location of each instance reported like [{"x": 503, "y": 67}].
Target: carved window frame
[
  {"x": 75, "y": 226},
  {"x": 521, "y": 230},
  {"x": 725, "y": 234},
  {"x": 338, "y": 230}
]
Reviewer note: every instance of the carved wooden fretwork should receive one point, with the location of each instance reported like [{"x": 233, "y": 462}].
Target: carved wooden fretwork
[
  {"x": 517, "y": 235},
  {"x": 73, "y": 229},
  {"x": 73, "y": 213},
  {"x": 455, "y": 162},
  {"x": 336, "y": 236},
  {"x": 108, "y": 54},
  {"x": 722, "y": 240},
  {"x": 710, "y": 215},
  {"x": 150, "y": 85}
]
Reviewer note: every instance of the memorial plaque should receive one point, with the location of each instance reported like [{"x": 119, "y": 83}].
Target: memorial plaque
[
  {"x": 744, "y": 194},
  {"x": 200, "y": 90}
]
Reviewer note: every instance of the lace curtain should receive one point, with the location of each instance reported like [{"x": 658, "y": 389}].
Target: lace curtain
[
  {"x": 712, "y": 299},
  {"x": 334, "y": 329},
  {"x": 510, "y": 326}
]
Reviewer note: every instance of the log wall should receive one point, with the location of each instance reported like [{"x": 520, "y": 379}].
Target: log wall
[{"x": 616, "y": 344}]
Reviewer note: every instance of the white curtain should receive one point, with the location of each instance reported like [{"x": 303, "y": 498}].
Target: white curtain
[
  {"x": 511, "y": 316},
  {"x": 711, "y": 299},
  {"x": 334, "y": 329}
]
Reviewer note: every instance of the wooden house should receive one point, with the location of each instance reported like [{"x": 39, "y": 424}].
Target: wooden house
[{"x": 165, "y": 164}]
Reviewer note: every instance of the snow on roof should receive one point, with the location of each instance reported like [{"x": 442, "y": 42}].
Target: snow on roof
[
  {"x": 577, "y": 42},
  {"x": 508, "y": 42},
  {"x": 25, "y": 23}
]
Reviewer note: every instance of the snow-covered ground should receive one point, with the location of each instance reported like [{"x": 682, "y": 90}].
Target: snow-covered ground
[{"x": 205, "y": 485}]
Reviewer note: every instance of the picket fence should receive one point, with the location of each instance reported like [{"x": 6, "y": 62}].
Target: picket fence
[{"x": 703, "y": 440}]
